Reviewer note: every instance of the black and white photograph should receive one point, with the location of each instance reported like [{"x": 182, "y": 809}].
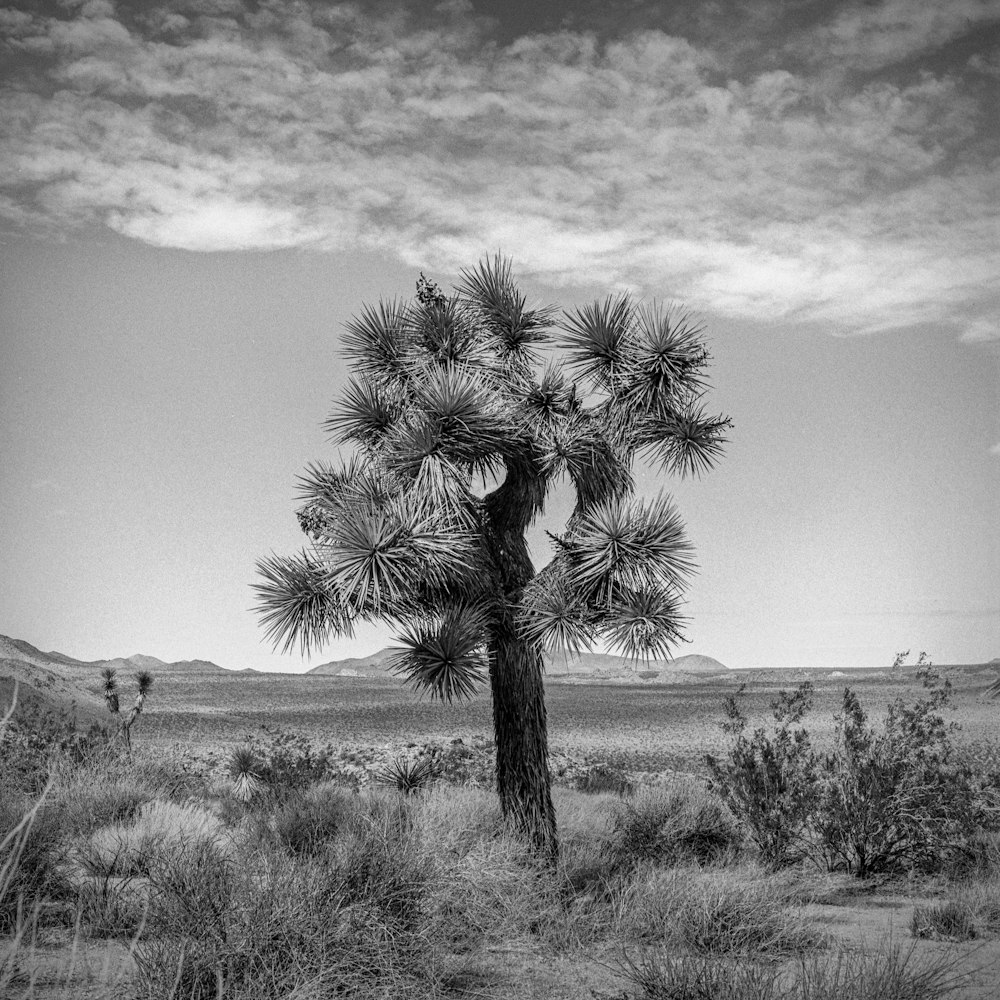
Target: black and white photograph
[{"x": 499, "y": 501}]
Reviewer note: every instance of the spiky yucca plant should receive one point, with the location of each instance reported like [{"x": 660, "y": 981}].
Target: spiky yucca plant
[
  {"x": 408, "y": 776},
  {"x": 245, "y": 770},
  {"x": 451, "y": 392}
]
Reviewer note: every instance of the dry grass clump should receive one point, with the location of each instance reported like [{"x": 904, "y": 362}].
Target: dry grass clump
[
  {"x": 889, "y": 972},
  {"x": 352, "y": 921},
  {"x": 307, "y": 821},
  {"x": 32, "y": 873},
  {"x": 952, "y": 920},
  {"x": 740, "y": 911},
  {"x": 160, "y": 828},
  {"x": 672, "y": 824}
]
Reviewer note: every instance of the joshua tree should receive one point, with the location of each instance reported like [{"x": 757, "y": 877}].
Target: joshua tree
[
  {"x": 110, "y": 689},
  {"x": 459, "y": 433},
  {"x": 144, "y": 681}
]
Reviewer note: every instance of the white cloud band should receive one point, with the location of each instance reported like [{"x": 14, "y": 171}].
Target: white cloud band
[{"x": 637, "y": 161}]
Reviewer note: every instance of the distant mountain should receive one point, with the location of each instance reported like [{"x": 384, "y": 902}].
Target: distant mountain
[
  {"x": 375, "y": 665},
  {"x": 142, "y": 662},
  {"x": 57, "y": 682},
  {"x": 18, "y": 649},
  {"x": 556, "y": 666},
  {"x": 607, "y": 665}
]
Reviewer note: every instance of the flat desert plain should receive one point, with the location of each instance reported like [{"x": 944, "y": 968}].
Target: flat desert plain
[{"x": 637, "y": 725}]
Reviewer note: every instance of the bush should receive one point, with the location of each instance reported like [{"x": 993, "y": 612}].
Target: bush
[
  {"x": 669, "y": 824},
  {"x": 35, "y": 738},
  {"x": 891, "y": 798},
  {"x": 32, "y": 869},
  {"x": 898, "y": 797},
  {"x": 770, "y": 782},
  {"x": 305, "y": 823},
  {"x": 288, "y": 761}
]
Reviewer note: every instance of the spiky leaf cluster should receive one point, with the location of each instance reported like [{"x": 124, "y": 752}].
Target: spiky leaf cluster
[{"x": 450, "y": 393}]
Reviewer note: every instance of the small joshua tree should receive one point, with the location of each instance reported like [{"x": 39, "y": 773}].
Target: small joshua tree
[
  {"x": 144, "y": 681},
  {"x": 450, "y": 392},
  {"x": 110, "y": 689}
]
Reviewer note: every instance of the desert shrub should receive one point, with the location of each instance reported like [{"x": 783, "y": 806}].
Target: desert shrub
[
  {"x": 383, "y": 810},
  {"x": 461, "y": 764},
  {"x": 35, "y": 739},
  {"x": 770, "y": 780},
  {"x": 889, "y": 797},
  {"x": 380, "y": 876},
  {"x": 669, "y": 824},
  {"x": 899, "y": 796},
  {"x": 288, "y": 760},
  {"x": 160, "y": 829},
  {"x": 307, "y": 821},
  {"x": 730, "y": 911},
  {"x": 32, "y": 859},
  {"x": 952, "y": 920}
]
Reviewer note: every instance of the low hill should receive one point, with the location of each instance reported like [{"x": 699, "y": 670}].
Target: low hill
[
  {"x": 375, "y": 665},
  {"x": 595, "y": 665},
  {"x": 695, "y": 663},
  {"x": 42, "y": 687},
  {"x": 18, "y": 649},
  {"x": 57, "y": 682}
]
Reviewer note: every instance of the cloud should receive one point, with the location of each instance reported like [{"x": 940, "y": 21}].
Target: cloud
[
  {"x": 866, "y": 36},
  {"x": 775, "y": 193},
  {"x": 995, "y": 450},
  {"x": 982, "y": 331}
]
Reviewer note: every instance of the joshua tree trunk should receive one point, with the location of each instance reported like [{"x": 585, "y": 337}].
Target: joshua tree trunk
[{"x": 524, "y": 783}]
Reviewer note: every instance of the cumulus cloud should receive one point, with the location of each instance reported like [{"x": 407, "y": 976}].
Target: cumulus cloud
[{"x": 644, "y": 160}]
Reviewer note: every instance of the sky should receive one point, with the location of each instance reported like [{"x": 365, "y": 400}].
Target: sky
[{"x": 195, "y": 196}]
